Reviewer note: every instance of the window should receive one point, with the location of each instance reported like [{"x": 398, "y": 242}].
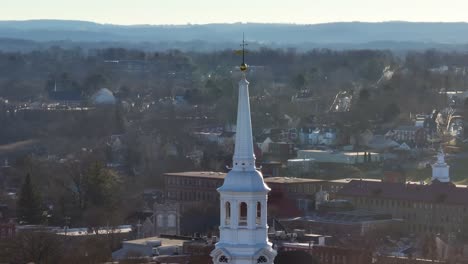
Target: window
[
  {"x": 160, "y": 220},
  {"x": 228, "y": 213},
  {"x": 171, "y": 220},
  {"x": 258, "y": 220},
  {"x": 243, "y": 214}
]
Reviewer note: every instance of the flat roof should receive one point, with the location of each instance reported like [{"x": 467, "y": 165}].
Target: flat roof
[
  {"x": 222, "y": 175},
  {"x": 123, "y": 229},
  {"x": 346, "y": 217},
  {"x": 347, "y": 180},
  {"x": 164, "y": 241},
  {"x": 290, "y": 180},
  {"x": 436, "y": 192},
  {"x": 198, "y": 174},
  {"x": 347, "y": 153}
]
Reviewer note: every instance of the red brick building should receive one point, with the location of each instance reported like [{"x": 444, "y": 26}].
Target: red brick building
[
  {"x": 293, "y": 195},
  {"x": 434, "y": 208}
]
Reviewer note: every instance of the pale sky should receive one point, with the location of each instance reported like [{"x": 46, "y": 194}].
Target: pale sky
[{"x": 213, "y": 11}]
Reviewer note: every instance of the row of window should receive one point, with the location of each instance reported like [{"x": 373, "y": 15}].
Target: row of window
[
  {"x": 455, "y": 219},
  {"x": 192, "y": 196},
  {"x": 428, "y": 228},
  {"x": 302, "y": 188},
  {"x": 169, "y": 221},
  {"x": 328, "y": 257},
  {"x": 186, "y": 181},
  {"x": 309, "y": 188},
  {"x": 408, "y": 204}
]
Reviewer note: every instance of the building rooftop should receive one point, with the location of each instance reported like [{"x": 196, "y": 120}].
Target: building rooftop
[
  {"x": 346, "y": 217},
  {"x": 290, "y": 180},
  {"x": 351, "y": 154},
  {"x": 101, "y": 231},
  {"x": 443, "y": 193},
  {"x": 165, "y": 241},
  {"x": 347, "y": 180},
  {"x": 199, "y": 174},
  {"x": 221, "y": 175}
]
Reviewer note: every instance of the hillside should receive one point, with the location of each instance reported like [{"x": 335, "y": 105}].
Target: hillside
[{"x": 399, "y": 35}]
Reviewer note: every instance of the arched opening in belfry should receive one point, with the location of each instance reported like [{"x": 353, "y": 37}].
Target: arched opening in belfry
[
  {"x": 258, "y": 219},
  {"x": 243, "y": 214},
  {"x": 228, "y": 213}
]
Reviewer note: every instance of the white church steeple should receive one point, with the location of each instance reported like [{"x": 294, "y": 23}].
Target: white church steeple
[
  {"x": 440, "y": 169},
  {"x": 243, "y": 198},
  {"x": 244, "y": 157}
]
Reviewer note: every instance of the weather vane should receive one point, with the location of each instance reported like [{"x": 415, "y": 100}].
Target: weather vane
[{"x": 243, "y": 67}]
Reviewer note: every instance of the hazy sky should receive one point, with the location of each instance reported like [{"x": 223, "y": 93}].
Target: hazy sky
[{"x": 212, "y": 11}]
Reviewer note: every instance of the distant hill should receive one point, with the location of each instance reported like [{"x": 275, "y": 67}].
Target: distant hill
[{"x": 400, "y": 35}]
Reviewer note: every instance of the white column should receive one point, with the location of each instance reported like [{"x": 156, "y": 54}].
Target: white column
[
  {"x": 235, "y": 213},
  {"x": 223, "y": 213},
  {"x": 264, "y": 213},
  {"x": 251, "y": 214}
]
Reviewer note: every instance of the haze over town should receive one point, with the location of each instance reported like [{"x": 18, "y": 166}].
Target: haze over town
[{"x": 214, "y": 132}]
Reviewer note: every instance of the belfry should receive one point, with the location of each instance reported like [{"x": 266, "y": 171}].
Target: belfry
[{"x": 243, "y": 197}]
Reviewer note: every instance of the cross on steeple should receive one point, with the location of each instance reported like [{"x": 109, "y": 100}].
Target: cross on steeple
[
  {"x": 243, "y": 66},
  {"x": 243, "y": 47}
]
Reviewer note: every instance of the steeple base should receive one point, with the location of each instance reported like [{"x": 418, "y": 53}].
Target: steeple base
[{"x": 237, "y": 254}]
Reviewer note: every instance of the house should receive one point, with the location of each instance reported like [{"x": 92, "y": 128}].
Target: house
[
  {"x": 381, "y": 143},
  {"x": 265, "y": 145},
  {"x": 317, "y": 136},
  {"x": 420, "y": 120},
  {"x": 221, "y": 138},
  {"x": 128, "y": 66},
  {"x": 410, "y": 135}
]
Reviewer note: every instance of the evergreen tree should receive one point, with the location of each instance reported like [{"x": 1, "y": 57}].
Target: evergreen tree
[{"x": 29, "y": 203}]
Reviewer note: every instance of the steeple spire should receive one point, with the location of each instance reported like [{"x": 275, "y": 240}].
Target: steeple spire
[{"x": 244, "y": 157}]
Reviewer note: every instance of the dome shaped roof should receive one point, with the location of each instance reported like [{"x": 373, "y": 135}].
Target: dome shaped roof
[
  {"x": 104, "y": 96},
  {"x": 244, "y": 181}
]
